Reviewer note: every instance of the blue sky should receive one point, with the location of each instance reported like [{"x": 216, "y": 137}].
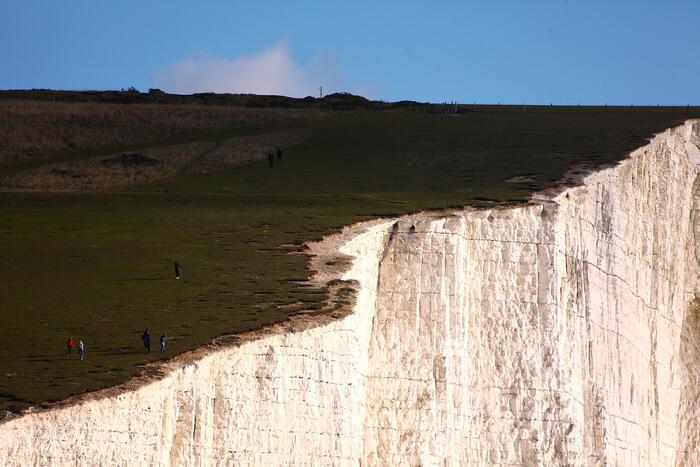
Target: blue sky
[{"x": 537, "y": 51}]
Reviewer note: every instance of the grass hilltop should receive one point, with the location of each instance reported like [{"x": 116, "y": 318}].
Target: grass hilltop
[{"x": 100, "y": 192}]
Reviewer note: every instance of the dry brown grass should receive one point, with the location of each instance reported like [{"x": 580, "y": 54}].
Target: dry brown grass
[
  {"x": 31, "y": 130},
  {"x": 162, "y": 163},
  {"x": 237, "y": 151},
  {"x": 97, "y": 175}
]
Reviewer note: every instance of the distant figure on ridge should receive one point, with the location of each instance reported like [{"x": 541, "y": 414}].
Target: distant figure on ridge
[
  {"x": 146, "y": 338},
  {"x": 178, "y": 269},
  {"x": 270, "y": 159},
  {"x": 279, "y": 155},
  {"x": 70, "y": 343},
  {"x": 81, "y": 349},
  {"x": 163, "y": 338}
]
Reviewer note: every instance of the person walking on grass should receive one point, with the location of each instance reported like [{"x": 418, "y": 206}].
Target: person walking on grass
[
  {"x": 178, "y": 269},
  {"x": 81, "y": 349},
  {"x": 279, "y": 155},
  {"x": 163, "y": 339},
  {"x": 270, "y": 159},
  {"x": 146, "y": 338},
  {"x": 69, "y": 346}
]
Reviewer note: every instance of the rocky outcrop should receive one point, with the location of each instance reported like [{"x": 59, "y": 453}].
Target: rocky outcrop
[{"x": 562, "y": 332}]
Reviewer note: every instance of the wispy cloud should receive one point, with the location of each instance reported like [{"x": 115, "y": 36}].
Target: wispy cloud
[{"x": 271, "y": 71}]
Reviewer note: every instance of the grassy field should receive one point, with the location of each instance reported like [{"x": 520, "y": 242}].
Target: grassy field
[{"x": 98, "y": 266}]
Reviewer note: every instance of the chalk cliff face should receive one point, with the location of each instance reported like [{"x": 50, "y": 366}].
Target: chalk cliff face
[
  {"x": 546, "y": 334},
  {"x": 563, "y": 332}
]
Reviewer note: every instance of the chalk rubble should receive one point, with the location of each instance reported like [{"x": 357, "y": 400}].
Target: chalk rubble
[{"x": 562, "y": 332}]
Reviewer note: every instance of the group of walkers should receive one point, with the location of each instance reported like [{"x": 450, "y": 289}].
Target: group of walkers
[
  {"x": 271, "y": 157},
  {"x": 146, "y": 337},
  {"x": 81, "y": 347}
]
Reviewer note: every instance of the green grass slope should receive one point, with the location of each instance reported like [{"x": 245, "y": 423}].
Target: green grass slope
[{"x": 98, "y": 266}]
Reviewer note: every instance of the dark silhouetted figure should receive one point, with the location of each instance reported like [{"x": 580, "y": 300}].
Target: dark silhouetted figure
[
  {"x": 146, "y": 338},
  {"x": 69, "y": 346},
  {"x": 163, "y": 339},
  {"x": 178, "y": 269},
  {"x": 279, "y": 155},
  {"x": 270, "y": 159}
]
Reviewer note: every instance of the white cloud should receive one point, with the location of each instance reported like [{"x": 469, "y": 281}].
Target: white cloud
[{"x": 271, "y": 71}]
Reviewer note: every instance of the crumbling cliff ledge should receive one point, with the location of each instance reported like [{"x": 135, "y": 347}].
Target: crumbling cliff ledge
[{"x": 562, "y": 332}]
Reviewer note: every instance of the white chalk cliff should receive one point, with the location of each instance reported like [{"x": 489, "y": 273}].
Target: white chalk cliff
[{"x": 562, "y": 332}]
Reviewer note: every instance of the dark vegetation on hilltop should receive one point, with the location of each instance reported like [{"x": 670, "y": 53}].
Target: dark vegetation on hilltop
[
  {"x": 92, "y": 220},
  {"x": 339, "y": 101},
  {"x": 330, "y": 102}
]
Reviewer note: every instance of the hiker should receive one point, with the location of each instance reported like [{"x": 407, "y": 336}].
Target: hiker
[
  {"x": 270, "y": 159},
  {"x": 163, "y": 338},
  {"x": 146, "y": 338},
  {"x": 70, "y": 343},
  {"x": 81, "y": 349},
  {"x": 279, "y": 155},
  {"x": 178, "y": 269}
]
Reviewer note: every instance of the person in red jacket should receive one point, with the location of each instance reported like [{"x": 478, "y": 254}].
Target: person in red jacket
[{"x": 70, "y": 344}]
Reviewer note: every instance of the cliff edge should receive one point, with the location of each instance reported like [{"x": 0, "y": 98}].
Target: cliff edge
[{"x": 561, "y": 332}]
